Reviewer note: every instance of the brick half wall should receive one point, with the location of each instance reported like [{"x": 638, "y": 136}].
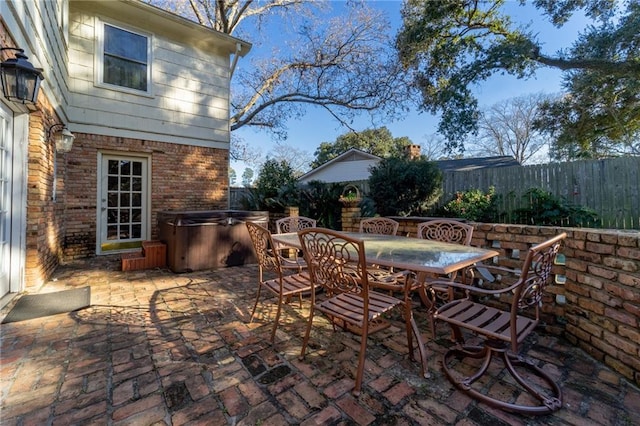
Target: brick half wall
[{"x": 595, "y": 302}]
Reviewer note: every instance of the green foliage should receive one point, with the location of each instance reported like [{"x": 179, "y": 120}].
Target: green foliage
[
  {"x": 473, "y": 205},
  {"x": 378, "y": 142},
  {"x": 403, "y": 187},
  {"x": 247, "y": 177},
  {"x": 600, "y": 116},
  {"x": 451, "y": 46},
  {"x": 320, "y": 201},
  {"x": 232, "y": 176},
  {"x": 274, "y": 188},
  {"x": 546, "y": 209}
]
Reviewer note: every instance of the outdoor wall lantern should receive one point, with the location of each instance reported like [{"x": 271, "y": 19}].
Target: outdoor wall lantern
[
  {"x": 63, "y": 139},
  {"x": 20, "y": 79}
]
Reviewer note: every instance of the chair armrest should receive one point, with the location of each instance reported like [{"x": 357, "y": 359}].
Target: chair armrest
[
  {"x": 390, "y": 281},
  {"x": 490, "y": 273},
  {"x": 470, "y": 288}
]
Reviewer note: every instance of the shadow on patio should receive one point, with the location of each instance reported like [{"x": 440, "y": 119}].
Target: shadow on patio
[{"x": 162, "y": 348}]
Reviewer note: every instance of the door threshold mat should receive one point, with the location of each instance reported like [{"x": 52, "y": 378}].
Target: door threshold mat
[{"x": 41, "y": 305}]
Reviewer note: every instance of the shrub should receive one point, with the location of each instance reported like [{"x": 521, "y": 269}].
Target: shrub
[
  {"x": 473, "y": 205},
  {"x": 319, "y": 200},
  {"x": 545, "y": 208},
  {"x": 404, "y": 187}
]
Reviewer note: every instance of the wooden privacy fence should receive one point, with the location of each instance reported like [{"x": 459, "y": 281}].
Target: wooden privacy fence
[{"x": 611, "y": 187}]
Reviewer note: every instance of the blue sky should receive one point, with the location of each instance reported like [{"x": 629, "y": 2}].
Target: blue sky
[{"x": 318, "y": 126}]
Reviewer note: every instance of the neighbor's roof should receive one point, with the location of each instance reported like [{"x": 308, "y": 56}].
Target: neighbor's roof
[
  {"x": 354, "y": 164},
  {"x": 351, "y": 165},
  {"x": 468, "y": 164}
]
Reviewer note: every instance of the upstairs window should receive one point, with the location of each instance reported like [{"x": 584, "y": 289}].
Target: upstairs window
[{"x": 125, "y": 58}]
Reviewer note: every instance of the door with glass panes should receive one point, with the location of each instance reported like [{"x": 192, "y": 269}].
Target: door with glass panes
[{"x": 123, "y": 197}]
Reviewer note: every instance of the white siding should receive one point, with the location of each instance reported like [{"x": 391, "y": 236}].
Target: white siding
[
  {"x": 344, "y": 171},
  {"x": 34, "y": 26},
  {"x": 189, "y": 90}
]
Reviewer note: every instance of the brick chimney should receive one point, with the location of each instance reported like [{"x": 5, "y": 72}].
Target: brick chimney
[{"x": 412, "y": 151}]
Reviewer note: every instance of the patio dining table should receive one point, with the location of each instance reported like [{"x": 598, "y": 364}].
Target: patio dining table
[
  {"x": 413, "y": 254},
  {"x": 409, "y": 253}
]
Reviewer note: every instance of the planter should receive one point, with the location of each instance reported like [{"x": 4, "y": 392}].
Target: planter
[{"x": 350, "y": 196}]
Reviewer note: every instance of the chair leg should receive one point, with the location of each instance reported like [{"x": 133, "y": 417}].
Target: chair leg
[
  {"x": 275, "y": 322},
  {"x": 307, "y": 333},
  {"x": 361, "y": 360},
  {"x": 255, "y": 305},
  {"x": 428, "y": 300},
  {"x": 547, "y": 403}
]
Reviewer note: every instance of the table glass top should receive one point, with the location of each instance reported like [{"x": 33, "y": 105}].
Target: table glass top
[{"x": 411, "y": 253}]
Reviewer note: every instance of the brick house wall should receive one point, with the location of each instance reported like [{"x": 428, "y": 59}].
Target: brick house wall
[
  {"x": 182, "y": 178},
  {"x": 595, "y": 302},
  {"x": 44, "y": 212}
]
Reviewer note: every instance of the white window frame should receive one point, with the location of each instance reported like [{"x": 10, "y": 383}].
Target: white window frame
[
  {"x": 99, "y": 57},
  {"x": 62, "y": 10}
]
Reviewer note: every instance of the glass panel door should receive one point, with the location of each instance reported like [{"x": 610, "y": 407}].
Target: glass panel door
[{"x": 124, "y": 207}]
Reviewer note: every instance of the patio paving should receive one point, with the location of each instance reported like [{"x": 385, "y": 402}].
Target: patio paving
[{"x": 157, "y": 348}]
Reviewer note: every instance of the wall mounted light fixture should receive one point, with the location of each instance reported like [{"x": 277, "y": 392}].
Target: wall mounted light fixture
[
  {"x": 20, "y": 79},
  {"x": 64, "y": 138}
]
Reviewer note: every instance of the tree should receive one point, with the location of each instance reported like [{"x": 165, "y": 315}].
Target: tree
[
  {"x": 247, "y": 177},
  {"x": 275, "y": 185},
  {"x": 433, "y": 147},
  {"x": 378, "y": 142},
  {"x": 583, "y": 125},
  {"x": 298, "y": 159},
  {"x": 345, "y": 64},
  {"x": 451, "y": 45},
  {"x": 402, "y": 186},
  {"x": 507, "y": 128}
]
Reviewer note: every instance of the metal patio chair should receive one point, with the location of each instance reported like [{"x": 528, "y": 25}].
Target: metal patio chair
[
  {"x": 294, "y": 224},
  {"x": 503, "y": 331},
  {"x": 337, "y": 262},
  {"x": 269, "y": 260},
  {"x": 446, "y": 231}
]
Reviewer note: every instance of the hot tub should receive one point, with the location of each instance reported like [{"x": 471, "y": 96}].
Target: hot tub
[{"x": 210, "y": 239}]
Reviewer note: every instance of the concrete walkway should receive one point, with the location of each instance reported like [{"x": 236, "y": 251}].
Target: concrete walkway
[{"x": 157, "y": 348}]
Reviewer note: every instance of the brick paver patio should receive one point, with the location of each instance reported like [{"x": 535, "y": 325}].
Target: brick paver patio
[{"x": 157, "y": 348}]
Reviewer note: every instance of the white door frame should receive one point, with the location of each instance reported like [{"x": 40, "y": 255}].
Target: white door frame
[
  {"x": 15, "y": 130},
  {"x": 123, "y": 245}
]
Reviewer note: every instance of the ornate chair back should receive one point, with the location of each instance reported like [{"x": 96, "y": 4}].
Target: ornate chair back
[
  {"x": 294, "y": 224},
  {"x": 446, "y": 230},
  {"x": 379, "y": 225}
]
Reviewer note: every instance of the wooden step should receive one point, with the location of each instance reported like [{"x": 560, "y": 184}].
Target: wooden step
[{"x": 152, "y": 255}]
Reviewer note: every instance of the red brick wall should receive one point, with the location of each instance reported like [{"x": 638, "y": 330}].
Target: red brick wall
[
  {"x": 598, "y": 306},
  {"x": 182, "y": 178},
  {"x": 43, "y": 212}
]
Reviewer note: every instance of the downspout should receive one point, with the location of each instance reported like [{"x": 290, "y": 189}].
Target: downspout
[
  {"x": 235, "y": 60},
  {"x": 231, "y": 70}
]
